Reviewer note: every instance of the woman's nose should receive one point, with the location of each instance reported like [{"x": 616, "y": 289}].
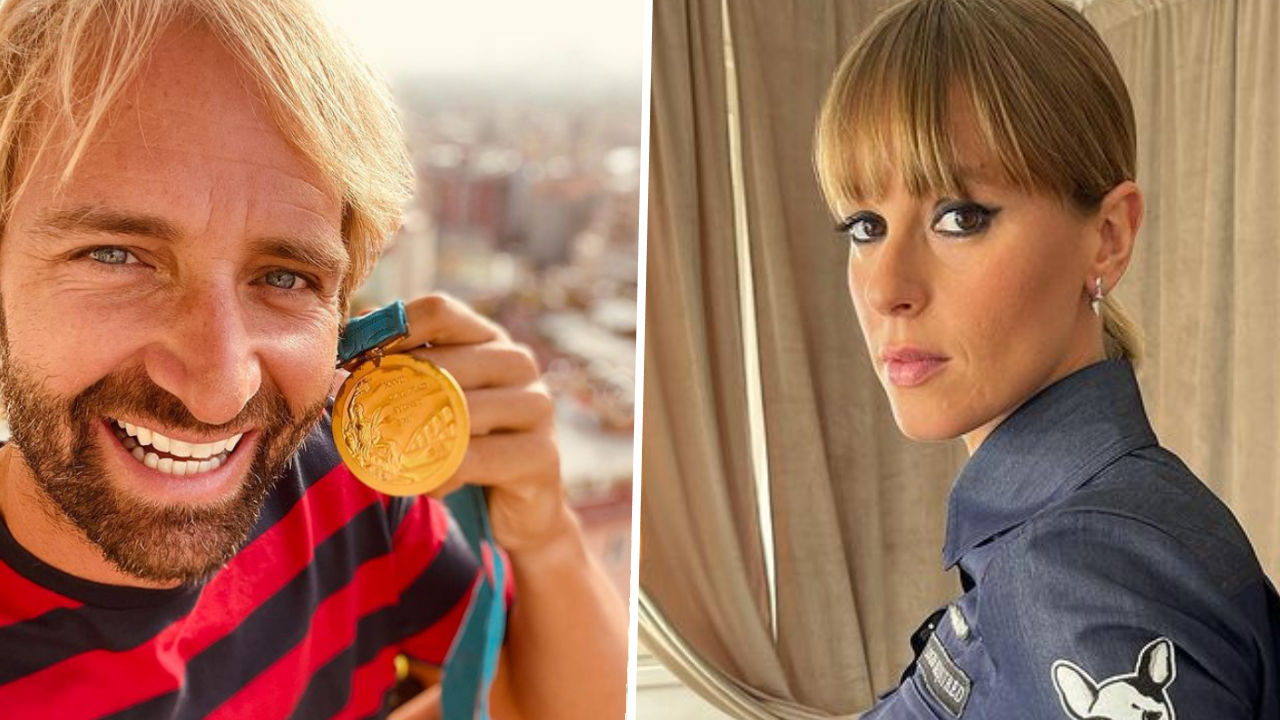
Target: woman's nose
[{"x": 895, "y": 282}]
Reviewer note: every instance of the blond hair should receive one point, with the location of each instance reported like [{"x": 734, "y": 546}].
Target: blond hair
[
  {"x": 65, "y": 61},
  {"x": 1045, "y": 95}
]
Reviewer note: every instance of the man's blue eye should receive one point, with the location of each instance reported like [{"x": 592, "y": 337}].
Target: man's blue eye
[
  {"x": 110, "y": 255},
  {"x": 285, "y": 280}
]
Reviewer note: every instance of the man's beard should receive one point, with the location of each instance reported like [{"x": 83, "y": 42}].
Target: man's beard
[{"x": 148, "y": 540}]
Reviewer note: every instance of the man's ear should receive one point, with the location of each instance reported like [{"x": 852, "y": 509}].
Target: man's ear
[{"x": 1119, "y": 217}]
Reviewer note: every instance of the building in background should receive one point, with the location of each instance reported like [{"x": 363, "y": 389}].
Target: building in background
[{"x": 528, "y": 208}]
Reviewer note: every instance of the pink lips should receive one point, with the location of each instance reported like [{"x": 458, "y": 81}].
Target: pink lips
[{"x": 908, "y": 366}]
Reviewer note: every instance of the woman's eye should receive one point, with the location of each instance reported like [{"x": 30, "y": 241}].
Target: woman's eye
[
  {"x": 863, "y": 227},
  {"x": 285, "y": 280},
  {"x": 112, "y": 256},
  {"x": 967, "y": 219}
]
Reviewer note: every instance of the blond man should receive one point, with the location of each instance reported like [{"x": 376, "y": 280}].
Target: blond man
[{"x": 190, "y": 193}]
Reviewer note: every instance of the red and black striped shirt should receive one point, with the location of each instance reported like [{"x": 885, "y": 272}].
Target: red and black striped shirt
[{"x": 304, "y": 622}]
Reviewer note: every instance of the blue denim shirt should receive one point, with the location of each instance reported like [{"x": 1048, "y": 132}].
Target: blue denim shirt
[{"x": 1103, "y": 580}]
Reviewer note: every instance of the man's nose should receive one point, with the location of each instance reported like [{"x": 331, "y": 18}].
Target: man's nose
[
  {"x": 207, "y": 355},
  {"x": 896, "y": 283}
]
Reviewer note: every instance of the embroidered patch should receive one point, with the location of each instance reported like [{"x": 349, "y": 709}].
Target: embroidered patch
[
  {"x": 1141, "y": 695},
  {"x": 946, "y": 682}
]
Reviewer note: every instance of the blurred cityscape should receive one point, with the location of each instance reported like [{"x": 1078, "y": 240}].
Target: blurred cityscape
[{"x": 528, "y": 208}]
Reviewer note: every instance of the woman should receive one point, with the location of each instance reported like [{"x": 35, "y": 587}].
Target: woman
[{"x": 980, "y": 155}]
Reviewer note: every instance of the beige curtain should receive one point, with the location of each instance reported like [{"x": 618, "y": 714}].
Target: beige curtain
[
  {"x": 706, "y": 608},
  {"x": 855, "y": 505},
  {"x": 1204, "y": 283},
  {"x": 858, "y": 513},
  {"x": 700, "y": 536}
]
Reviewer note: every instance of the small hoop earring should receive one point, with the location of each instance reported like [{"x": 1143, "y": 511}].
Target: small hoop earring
[{"x": 1096, "y": 303}]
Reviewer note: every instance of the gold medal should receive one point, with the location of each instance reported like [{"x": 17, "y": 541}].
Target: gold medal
[{"x": 401, "y": 424}]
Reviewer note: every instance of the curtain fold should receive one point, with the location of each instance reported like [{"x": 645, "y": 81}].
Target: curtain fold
[
  {"x": 1253, "y": 489},
  {"x": 1202, "y": 282},
  {"x": 702, "y": 556},
  {"x": 847, "y": 487}
]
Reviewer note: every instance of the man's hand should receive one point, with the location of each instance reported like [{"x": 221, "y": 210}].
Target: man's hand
[
  {"x": 513, "y": 449},
  {"x": 565, "y": 654}
]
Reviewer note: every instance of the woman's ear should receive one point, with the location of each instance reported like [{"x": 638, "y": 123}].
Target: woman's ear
[{"x": 1117, "y": 221}]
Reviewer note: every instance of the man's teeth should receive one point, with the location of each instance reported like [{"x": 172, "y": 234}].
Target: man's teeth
[
  {"x": 203, "y": 456},
  {"x": 177, "y": 467},
  {"x": 146, "y": 437}
]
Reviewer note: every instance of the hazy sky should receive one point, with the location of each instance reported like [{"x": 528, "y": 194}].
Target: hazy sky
[{"x": 602, "y": 38}]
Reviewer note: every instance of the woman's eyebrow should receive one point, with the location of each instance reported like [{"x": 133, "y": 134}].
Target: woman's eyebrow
[{"x": 984, "y": 175}]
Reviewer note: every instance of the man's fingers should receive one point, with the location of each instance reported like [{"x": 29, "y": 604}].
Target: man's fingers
[
  {"x": 442, "y": 320},
  {"x": 493, "y": 364},
  {"x": 507, "y": 459},
  {"x": 508, "y": 409}
]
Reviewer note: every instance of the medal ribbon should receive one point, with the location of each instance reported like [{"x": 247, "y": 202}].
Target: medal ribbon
[{"x": 473, "y": 660}]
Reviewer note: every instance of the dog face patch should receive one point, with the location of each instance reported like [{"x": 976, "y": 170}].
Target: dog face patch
[{"x": 1141, "y": 695}]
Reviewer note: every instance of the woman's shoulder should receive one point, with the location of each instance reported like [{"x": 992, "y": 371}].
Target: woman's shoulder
[
  {"x": 1150, "y": 501},
  {"x": 1141, "y": 557},
  {"x": 1143, "y": 544}
]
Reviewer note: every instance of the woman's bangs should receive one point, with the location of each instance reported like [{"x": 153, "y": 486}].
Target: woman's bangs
[
  {"x": 861, "y": 162},
  {"x": 887, "y": 120},
  {"x": 900, "y": 100}
]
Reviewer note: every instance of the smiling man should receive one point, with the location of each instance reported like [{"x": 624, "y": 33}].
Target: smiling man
[{"x": 191, "y": 191}]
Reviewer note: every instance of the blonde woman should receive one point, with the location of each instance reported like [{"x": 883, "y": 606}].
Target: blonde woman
[{"x": 980, "y": 155}]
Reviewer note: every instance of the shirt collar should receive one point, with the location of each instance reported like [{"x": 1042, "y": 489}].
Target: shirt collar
[{"x": 1044, "y": 450}]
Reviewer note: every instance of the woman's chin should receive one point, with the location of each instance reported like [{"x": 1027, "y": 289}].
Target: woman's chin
[{"x": 923, "y": 427}]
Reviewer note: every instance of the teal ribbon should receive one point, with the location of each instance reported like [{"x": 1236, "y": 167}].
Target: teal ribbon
[
  {"x": 376, "y": 329},
  {"x": 469, "y": 671},
  {"x": 470, "y": 667}
]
